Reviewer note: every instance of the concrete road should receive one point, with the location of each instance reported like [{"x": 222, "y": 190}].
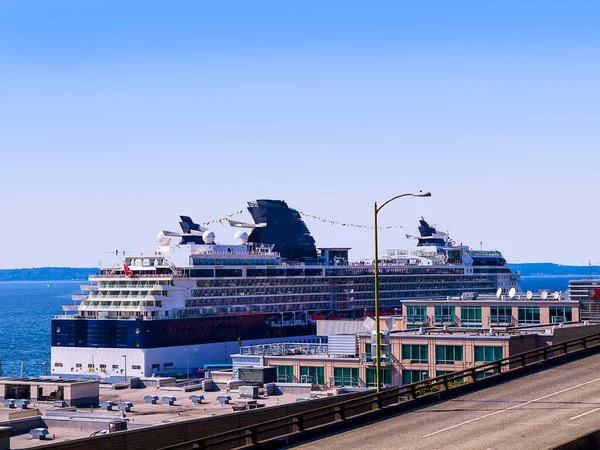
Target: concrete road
[{"x": 533, "y": 412}]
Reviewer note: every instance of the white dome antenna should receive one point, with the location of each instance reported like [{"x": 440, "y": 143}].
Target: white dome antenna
[
  {"x": 241, "y": 237},
  {"x": 208, "y": 237}
]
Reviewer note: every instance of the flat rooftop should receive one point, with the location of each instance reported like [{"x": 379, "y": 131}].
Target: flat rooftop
[
  {"x": 547, "y": 329},
  {"x": 45, "y": 380},
  {"x": 142, "y": 414}
]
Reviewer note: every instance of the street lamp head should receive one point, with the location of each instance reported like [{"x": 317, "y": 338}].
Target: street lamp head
[{"x": 422, "y": 194}]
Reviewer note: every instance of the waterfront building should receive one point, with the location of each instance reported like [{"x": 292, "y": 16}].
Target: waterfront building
[
  {"x": 407, "y": 356},
  {"x": 479, "y": 311},
  {"x": 587, "y": 293}
]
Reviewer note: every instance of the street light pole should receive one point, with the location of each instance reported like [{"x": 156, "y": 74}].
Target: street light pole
[
  {"x": 125, "y": 356},
  {"x": 376, "y": 274}
]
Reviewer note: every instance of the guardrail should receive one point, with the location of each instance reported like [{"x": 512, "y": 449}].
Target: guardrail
[{"x": 362, "y": 406}]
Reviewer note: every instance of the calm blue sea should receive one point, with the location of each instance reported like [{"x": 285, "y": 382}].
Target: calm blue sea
[{"x": 27, "y": 307}]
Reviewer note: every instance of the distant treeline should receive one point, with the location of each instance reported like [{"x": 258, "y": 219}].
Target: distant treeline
[
  {"x": 529, "y": 269},
  {"x": 46, "y": 274},
  {"x": 73, "y": 273}
]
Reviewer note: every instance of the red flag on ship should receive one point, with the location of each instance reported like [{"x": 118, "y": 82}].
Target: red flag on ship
[{"x": 127, "y": 270}]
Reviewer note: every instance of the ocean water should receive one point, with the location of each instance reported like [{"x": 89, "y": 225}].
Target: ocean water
[
  {"x": 549, "y": 283},
  {"x": 26, "y": 308}
]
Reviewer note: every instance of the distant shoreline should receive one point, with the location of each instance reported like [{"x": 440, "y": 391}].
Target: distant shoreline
[
  {"x": 48, "y": 274},
  {"x": 82, "y": 273}
]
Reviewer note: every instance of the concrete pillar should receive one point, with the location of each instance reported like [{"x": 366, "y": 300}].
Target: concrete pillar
[
  {"x": 33, "y": 392},
  {"x": 5, "y": 433}
]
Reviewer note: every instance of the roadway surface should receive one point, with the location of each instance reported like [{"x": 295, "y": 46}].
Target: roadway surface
[{"x": 533, "y": 412}]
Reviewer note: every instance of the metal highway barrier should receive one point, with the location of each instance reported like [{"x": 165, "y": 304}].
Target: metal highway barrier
[{"x": 358, "y": 410}]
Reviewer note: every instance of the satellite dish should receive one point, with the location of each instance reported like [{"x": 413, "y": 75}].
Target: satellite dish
[
  {"x": 544, "y": 295},
  {"x": 499, "y": 292},
  {"x": 556, "y": 295},
  {"x": 529, "y": 295},
  {"x": 512, "y": 292}
]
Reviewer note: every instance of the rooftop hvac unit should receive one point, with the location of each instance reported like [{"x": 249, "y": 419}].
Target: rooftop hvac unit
[
  {"x": 257, "y": 375},
  {"x": 342, "y": 345}
]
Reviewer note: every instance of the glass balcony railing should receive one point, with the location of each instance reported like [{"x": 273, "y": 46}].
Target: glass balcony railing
[
  {"x": 500, "y": 320},
  {"x": 415, "y": 318},
  {"x": 444, "y": 320}
]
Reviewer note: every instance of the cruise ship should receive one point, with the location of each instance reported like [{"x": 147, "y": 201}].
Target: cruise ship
[{"x": 193, "y": 301}]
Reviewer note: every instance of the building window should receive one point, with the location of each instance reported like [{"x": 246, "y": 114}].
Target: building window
[
  {"x": 386, "y": 377},
  {"x": 90, "y": 366},
  {"x": 414, "y": 376},
  {"x": 58, "y": 364},
  {"x": 416, "y": 314},
  {"x": 561, "y": 314},
  {"x": 415, "y": 353},
  {"x": 448, "y": 354},
  {"x": 155, "y": 367},
  {"x": 168, "y": 366},
  {"x": 79, "y": 365},
  {"x": 529, "y": 314},
  {"x": 470, "y": 316},
  {"x": 285, "y": 374},
  {"x": 115, "y": 366},
  {"x": 102, "y": 366},
  {"x": 314, "y": 375},
  {"x": 500, "y": 315},
  {"x": 368, "y": 353},
  {"x": 136, "y": 367},
  {"x": 445, "y": 314},
  {"x": 345, "y": 376},
  {"x": 486, "y": 353}
]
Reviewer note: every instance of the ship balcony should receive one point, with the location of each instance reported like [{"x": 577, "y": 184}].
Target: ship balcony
[
  {"x": 146, "y": 286},
  {"x": 138, "y": 276},
  {"x": 79, "y": 297},
  {"x": 101, "y": 298},
  {"x": 67, "y": 308},
  {"x": 163, "y": 287},
  {"x": 88, "y": 287},
  {"x": 118, "y": 308},
  {"x": 158, "y": 297}
]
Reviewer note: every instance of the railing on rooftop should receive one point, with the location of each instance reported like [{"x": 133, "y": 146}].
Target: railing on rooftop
[
  {"x": 362, "y": 406},
  {"x": 419, "y": 319},
  {"x": 445, "y": 319},
  {"x": 286, "y": 348}
]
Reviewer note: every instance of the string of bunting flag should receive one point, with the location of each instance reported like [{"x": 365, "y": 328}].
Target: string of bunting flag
[
  {"x": 223, "y": 219},
  {"x": 345, "y": 224}
]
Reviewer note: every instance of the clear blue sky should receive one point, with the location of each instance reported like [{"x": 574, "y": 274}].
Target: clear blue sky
[{"x": 116, "y": 117}]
